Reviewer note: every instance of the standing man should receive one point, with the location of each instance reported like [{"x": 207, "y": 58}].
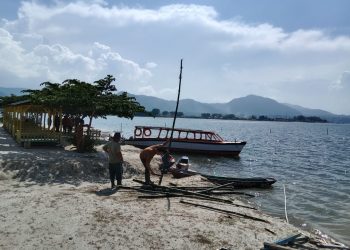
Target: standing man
[
  {"x": 115, "y": 159},
  {"x": 146, "y": 157}
]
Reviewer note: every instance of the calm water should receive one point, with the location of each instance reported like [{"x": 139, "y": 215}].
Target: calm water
[{"x": 314, "y": 166}]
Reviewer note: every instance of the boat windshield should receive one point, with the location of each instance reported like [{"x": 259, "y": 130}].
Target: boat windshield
[{"x": 184, "y": 160}]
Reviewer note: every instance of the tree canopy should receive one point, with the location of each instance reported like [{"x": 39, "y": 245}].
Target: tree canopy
[
  {"x": 81, "y": 98},
  {"x": 6, "y": 100}
]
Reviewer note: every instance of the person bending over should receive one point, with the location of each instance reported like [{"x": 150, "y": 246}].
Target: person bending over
[{"x": 146, "y": 157}]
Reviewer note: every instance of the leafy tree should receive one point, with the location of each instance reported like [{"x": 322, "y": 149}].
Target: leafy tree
[
  {"x": 165, "y": 113},
  {"x": 216, "y": 116},
  {"x": 5, "y": 100},
  {"x": 180, "y": 114},
  {"x": 155, "y": 112},
  {"x": 263, "y": 118},
  {"x": 84, "y": 99},
  {"x": 229, "y": 117},
  {"x": 205, "y": 115},
  {"x": 300, "y": 118}
]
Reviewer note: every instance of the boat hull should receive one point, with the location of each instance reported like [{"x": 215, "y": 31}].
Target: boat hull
[
  {"x": 179, "y": 173},
  {"x": 195, "y": 147}
]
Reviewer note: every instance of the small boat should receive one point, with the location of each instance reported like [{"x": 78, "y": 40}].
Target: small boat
[
  {"x": 186, "y": 140},
  {"x": 255, "y": 182},
  {"x": 181, "y": 168},
  {"x": 183, "y": 163},
  {"x": 183, "y": 173}
]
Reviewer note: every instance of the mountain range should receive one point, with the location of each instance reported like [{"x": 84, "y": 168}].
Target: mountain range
[{"x": 241, "y": 107}]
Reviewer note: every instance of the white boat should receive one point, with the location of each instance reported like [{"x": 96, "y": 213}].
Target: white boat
[
  {"x": 181, "y": 168},
  {"x": 185, "y": 140}
]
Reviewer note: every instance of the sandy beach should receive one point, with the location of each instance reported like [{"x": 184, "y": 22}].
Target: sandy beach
[{"x": 57, "y": 198}]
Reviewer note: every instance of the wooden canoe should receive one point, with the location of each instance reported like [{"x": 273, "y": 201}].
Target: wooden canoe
[{"x": 255, "y": 182}]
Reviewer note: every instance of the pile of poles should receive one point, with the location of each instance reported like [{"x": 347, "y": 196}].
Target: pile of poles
[
  {"x": 210, "y": 193},
  {"x": 154, "y": 191}
]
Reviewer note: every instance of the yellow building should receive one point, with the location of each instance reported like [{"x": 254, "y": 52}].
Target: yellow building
[{"x": 31, "y": 124}]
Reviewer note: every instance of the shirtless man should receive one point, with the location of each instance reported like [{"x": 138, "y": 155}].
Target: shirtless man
[{"x": 146, "y": 157}]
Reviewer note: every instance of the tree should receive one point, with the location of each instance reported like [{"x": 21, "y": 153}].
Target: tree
[
  {"x": 165, "y": 113},
  {"x": 84, "y": 99},
  {"x": 155, "y": 112},
  {"x": 205, "y": 115},
  {"x": 180, "y": 114},
  {"x": 229, "y": 117},
  {"x": 216, "y": 116},
  {"x": 300, "y": 118},
  {"x": 5, "y": 100}
]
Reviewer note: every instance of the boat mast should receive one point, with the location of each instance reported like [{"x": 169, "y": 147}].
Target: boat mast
[
  {"x": 173, "y": 127},
  {"x": 177, "y": 106}
]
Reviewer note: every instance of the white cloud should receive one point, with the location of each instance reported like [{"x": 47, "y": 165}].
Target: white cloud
[
  {"x": 223, "y": 59},
  {"x": 147, "y": 90},
  {"x": 14, "y": 59},
  {"x": 343, "y": 82},
  {"x": 168, "y": 92},
  {"x": 57, "y": 62},
  {"x": 52, "y": 21},
  {"x": 150, "y": 65},
  {"x": 165, "y": 93}
]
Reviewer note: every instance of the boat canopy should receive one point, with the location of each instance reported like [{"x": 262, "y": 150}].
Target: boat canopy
[{"x": 180, "y": 134}]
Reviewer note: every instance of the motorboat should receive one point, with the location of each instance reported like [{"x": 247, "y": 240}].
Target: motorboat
[
  {"x": 185, "y": 140},
  {"x": 181, "y": 168}
]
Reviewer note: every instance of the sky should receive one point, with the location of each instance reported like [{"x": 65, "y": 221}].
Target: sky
[{"x": 293, "y": 51}]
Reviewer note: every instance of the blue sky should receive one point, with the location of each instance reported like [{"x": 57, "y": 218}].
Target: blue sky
[{"x": 293, "y": 51}]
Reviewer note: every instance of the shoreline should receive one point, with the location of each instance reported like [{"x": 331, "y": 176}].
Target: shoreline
[{"x": 59, "y": 197}]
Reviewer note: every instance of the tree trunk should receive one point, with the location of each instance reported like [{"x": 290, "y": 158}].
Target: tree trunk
[{"x": 90, "y": 122}]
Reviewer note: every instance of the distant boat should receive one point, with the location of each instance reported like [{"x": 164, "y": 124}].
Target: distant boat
[
  {"x": 186, "y": 140},
  {"x": 255, "y": 182}
]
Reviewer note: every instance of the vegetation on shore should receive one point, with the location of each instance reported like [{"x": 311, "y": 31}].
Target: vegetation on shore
[{"x": 300, "y": 118}]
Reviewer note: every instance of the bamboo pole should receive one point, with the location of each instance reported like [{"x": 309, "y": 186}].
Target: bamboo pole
[
  {"x": 177, "y": 190},
  {"x": 224, "y": 211},
  {"x": 175, "y": 115},
  {"x": 217, "y": 187}
]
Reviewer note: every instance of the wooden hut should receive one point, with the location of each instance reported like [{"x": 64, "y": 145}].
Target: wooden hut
[{"x": 32, "y": 124}]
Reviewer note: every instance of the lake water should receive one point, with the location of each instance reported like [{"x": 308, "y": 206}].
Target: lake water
[{"x": 314, "y": 166}]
